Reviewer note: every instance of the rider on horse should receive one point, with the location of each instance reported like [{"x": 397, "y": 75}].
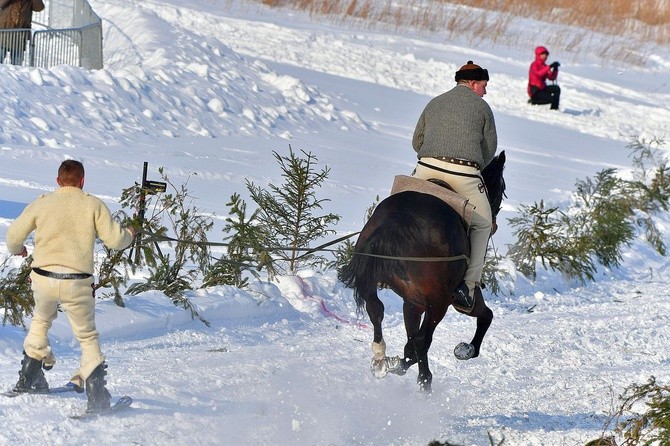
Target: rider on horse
[{"x": 455, "y": 139}]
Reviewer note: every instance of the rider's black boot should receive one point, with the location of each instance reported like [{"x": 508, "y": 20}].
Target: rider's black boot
[{"x": 464, "y": 297}]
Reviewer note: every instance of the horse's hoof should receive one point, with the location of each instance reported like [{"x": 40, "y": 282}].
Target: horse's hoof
[
  {"x": 464, "y": 351},
  {"x": 379, "y": 367},
  {"x": 395, "y": 365},
  {"x": 426, "y": 386}
]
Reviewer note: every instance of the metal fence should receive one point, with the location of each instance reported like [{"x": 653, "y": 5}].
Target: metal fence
[{"x": 67, "y": 32}]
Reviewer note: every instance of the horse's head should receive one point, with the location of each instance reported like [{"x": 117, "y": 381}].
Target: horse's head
[{"x": 495, "y": 183}]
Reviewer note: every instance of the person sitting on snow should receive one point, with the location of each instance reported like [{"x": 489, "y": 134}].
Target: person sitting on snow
[{"x": 539, "y": 73}]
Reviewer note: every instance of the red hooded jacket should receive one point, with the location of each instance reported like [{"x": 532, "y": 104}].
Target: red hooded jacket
[{"x": 539, "y": 72}]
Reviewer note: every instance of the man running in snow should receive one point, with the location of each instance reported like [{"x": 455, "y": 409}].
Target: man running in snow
[{"x": 66, "y": 223}]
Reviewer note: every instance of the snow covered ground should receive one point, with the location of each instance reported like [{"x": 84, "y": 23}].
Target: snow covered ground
[{"x": 208, "y": 91}]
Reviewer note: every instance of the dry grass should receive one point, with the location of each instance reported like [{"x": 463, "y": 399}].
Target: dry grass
[
  {"x": 606, "y": 16},
  {"x": 628, "y": 25},
  {"x": 596, "y": 14}
]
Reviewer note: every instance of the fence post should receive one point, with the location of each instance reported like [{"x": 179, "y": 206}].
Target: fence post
[{"x": 31, "y": 50}]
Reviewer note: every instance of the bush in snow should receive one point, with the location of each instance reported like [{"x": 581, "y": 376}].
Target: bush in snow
[
  {"x": 651, "y": 178},
  {"x": 600, "y": 222},
  {"x": 276, "y": 236},
  {"x": 543, "y": 235},
  {"x": 16, "y": 296},
  {"x": 601, "y": 217},
  {"x": 287, "y": 218},
  {"x": 643, "y": 418},
  {"x": 244, "y": 248},
  {"x": 172, "y": 272}
]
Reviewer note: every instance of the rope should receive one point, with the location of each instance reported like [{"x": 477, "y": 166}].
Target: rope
[{"x": 152, "y": 237}]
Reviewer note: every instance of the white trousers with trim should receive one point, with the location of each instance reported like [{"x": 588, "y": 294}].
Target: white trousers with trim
[
  {"x": 471, "y": 186},
  {"x": 76, "y": 299}
]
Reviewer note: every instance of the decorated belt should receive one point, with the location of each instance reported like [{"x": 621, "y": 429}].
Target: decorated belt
[
  {"x": 450, "y": 172},
  {"x": 62, "y": 276},
  {"x": 459, "y": 161}
]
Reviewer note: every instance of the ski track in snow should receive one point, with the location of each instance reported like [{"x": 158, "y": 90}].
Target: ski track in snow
[{"x": 208, "y": 91}]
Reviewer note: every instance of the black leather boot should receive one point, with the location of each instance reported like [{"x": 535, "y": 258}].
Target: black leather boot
[
  {"x": 96, "y": 392},
  {"x": 464, "y": 298},
  {"x": 31, "y": 376}
]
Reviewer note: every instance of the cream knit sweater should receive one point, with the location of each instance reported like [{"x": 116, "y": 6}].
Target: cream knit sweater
[{"x": 66, "y": 223}]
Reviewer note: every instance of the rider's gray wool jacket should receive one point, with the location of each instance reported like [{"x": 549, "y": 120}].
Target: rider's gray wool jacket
[{"x": 457, "y": 124}]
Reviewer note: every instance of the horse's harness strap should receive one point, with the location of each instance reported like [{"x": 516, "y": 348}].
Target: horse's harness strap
[
  {"x": 450, "y": 172},
  {"x": 418, "y": 259}
]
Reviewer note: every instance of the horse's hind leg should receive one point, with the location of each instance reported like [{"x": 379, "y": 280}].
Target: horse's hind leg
[
  {"x": 484, "y": 317},
  {"x": 375, "y": 310}
]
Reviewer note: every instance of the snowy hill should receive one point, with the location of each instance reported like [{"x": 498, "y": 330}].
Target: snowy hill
[{"x": 207, "y": 91}]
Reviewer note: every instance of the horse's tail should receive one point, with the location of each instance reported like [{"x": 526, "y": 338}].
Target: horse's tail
[{"x": 373, "y": 263}]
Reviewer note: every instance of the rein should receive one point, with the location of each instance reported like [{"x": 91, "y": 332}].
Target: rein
[{"x": 418, "y": 259}]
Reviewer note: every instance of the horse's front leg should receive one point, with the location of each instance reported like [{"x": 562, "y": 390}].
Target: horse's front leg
[
  {"x": 422, "y": 343},
  {"x": 412, "y": 319},
  {"x": 484, "y": 317}
]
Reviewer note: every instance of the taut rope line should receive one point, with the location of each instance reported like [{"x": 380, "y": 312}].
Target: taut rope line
[{"x": 152, "y": 237}]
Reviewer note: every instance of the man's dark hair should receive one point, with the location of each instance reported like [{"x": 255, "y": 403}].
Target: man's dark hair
[{"x": 71, "y": 172}]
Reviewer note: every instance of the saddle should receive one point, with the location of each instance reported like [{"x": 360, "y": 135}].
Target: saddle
[{"x": 437, "y": 188}]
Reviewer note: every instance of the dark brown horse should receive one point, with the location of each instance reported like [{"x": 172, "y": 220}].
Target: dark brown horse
[{"x": 414, "y": 243}]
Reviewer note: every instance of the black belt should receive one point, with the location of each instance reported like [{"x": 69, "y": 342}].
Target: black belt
[
  {"x": 62, "y": 276},
  {"x": 459, "y": 161}
]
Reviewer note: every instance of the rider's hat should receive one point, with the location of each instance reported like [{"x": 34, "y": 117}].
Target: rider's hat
[{"x": 472, "y": 72}]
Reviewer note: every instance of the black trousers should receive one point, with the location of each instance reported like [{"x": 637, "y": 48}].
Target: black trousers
[{"x": 550, "y": 95}]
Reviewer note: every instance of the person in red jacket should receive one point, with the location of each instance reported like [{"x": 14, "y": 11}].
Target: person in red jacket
[{"x": 539, "y": 73}]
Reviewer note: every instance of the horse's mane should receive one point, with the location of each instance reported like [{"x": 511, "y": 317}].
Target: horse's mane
[{"x": 495, "y": 183}]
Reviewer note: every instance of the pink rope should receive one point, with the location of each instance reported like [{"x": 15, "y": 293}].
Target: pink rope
[{"x": 306, "y": 293}]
